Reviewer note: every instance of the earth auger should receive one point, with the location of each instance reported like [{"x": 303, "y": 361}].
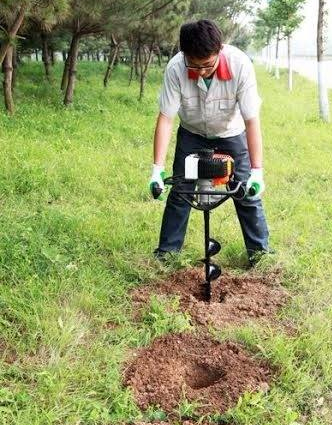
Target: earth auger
[{"x": 211, "y": 173}]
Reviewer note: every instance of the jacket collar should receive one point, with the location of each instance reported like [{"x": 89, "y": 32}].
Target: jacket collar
[{"x": 223, "y": 71}]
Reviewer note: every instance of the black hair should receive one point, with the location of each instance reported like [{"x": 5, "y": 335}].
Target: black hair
[{"x": 200, "y": 39}]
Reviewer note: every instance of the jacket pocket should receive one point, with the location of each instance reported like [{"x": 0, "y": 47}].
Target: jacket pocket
[
  {"x": 226, "y": 104},
  {"x": 191, "y": 102},
  {"x": 190, "y": 108}
]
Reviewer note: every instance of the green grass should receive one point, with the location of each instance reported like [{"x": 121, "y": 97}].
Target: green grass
[{"x": 77, "y": 229}]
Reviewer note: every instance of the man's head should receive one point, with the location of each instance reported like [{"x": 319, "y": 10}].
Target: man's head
[{"x": 201, "y": 42}]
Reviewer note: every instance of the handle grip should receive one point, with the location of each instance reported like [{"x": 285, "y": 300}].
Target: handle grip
[
  {"x": 253, "y": 190},
  {"x": 156, "y": 190}
]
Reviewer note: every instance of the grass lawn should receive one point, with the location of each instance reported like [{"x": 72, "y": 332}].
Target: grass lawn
[{"x": 77, "y": 229}]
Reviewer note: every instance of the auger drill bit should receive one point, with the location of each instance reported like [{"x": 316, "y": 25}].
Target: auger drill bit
[{"x": 212, "y": 247}]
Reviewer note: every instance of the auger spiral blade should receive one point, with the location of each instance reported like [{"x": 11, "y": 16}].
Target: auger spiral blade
[
  {"x": 214, "y": 272},
  {"x": 214, "y": 247}
]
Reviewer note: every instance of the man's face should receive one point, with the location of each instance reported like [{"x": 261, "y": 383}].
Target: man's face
[{"x": 204, "y": 67}]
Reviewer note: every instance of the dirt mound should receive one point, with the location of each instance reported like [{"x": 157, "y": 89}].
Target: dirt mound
[
  {"x": 235, "y": 298},
  {"x": 197, "y": 367},
  {"x": 177, "y": 423}
]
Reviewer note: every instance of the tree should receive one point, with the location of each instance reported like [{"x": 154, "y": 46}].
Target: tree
[
  {"x": 324, "y": 111},
  {"x": 241, "y": 37},
  {"x": 224, "y": 12},
  {"x": 88, "y": 17},
  {"x": 113, "y": 54},
  {"x": 162, "y": 21},
  {"x": 12, "y": 14},
  {"x": 16, "y": 11},
  {"x": 264, "y": 32},
  {"x": 278, "y": 20},
  {"x": 43, "y": 20},
  {"x": 7, "y": 82},
  {"x": 286, "y": 16},
  {"x": 145, "y": 27}
]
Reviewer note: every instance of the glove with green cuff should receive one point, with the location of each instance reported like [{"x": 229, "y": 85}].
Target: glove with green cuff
[
  {"x": 156, "y": 185},
  {"x": 255, "y": 185}
]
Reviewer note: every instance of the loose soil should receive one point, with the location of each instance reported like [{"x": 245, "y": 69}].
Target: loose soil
[
  {"x": 7, "y": 354},
  {"x": 234, "y": 298},
  {"x": 195, "y": 366},
  {"x": 177, "y": 422}
]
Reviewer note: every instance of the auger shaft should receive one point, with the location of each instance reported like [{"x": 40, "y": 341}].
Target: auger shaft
[{"x": 207, "y": 283}]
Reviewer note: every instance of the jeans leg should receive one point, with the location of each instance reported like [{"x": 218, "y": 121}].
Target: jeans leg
[
  {"x": 250, "y": 213},
  {"x": 176, "y": 214}
]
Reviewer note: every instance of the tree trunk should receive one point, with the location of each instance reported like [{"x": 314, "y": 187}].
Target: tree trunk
[
  {"x": 64, "y": 81},
  {"x": 136, "y": 60},
  {"x": 111, "y": 61},
  {"x": 267, "y": 57},
  {"x": 270, "y": 59},
  {"x": 276, "y": 72},
  {"x": 36, "y": 55},
  {"x": 116, "y": 62},
  {"x": 64, "y": 56},
  {"x": 175, "y": 49},
  {"x": 140, "y": 60},
  {"x": 132, "y": 65},
  {"x": 45, "y": 55},
  {"x": 52, "y": 56},
  {"x": 15, "y": 64},
  {"x": 72, "y": 69},
  {"x": 143, "y": 70},
  {"x": 290, "y": 65},
  {"x": 12, "y": 32},
  {"x": 324, "y": 110},
  {"x": 159, "y": 56},
  {"x": 7, "y": 82}
]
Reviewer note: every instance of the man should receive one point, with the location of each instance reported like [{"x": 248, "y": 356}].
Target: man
[{"x": 213, "y": 89}]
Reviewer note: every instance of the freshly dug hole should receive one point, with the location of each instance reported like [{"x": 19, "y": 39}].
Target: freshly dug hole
[
  {"x": 202, "y": 369},
  {"x": 235, "y": 298},
  {"x": 201, "y": 375}
]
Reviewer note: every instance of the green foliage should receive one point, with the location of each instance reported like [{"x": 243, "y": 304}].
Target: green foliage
[
  {"x": 225, "y": 13},
  {"x": 286, "y": 14},
  {"x": 161, "y": 317},
  {"x": 77, "y": 233},
  {"x": 281, "y": 17},
  {"x": 187, "y": 409}
]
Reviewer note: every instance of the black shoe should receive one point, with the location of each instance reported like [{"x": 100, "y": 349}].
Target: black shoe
[
  {"x": 159, "y": 254},
  {"x": 163, "y": 256},
  {"x": 255, "y": 256}
]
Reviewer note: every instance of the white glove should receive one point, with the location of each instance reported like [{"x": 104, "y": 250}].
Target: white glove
[
  {"x": 255, "y": 184},
  {"x": 158, "y": 173}
]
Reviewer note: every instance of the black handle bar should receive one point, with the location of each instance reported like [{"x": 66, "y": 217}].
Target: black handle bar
[{"x": 178, "y": 181}]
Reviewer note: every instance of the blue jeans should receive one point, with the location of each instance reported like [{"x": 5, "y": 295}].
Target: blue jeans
[{"x": 250, "y": 213}]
